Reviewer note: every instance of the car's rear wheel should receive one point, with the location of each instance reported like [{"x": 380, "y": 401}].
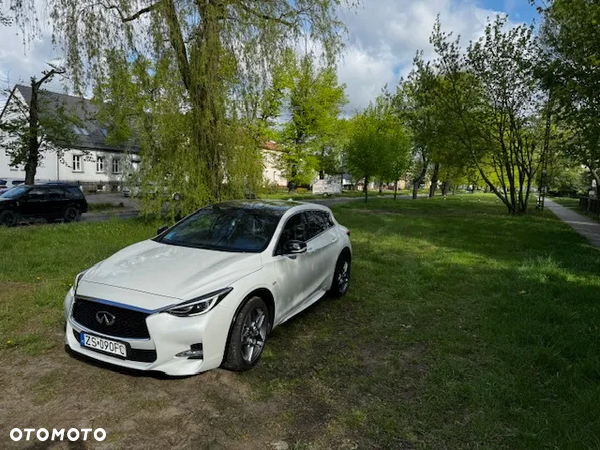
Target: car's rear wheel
[
  {"x": 8, "y": 218},
  {"x": 341, "y": 276},
  {"x": 71, "y": 214},
  {"x": 248, "y": 336}
]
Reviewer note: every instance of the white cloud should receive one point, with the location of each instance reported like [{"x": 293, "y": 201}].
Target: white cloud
[{"x": 384, "y": 37}]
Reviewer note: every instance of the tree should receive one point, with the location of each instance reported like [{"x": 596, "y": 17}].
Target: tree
[
  {"x": 490, "y": 96},
  {"x": 315, "y": 102},
  {"x": 570, "y": 70},
  {"x": 378, "y": 146},
  {"x": 41, "y": 125},
  {"x": 199, "y": 53}
]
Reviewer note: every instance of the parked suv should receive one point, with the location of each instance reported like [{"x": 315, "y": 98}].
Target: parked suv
[{"x": 50, "y": 202}]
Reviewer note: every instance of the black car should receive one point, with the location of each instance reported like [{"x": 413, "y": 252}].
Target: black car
[{"x": 49, "y": 201}]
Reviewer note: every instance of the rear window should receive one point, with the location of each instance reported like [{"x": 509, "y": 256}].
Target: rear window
[
  {"x": 2, "y": 182},
  {"x": 73, "y": 193}
]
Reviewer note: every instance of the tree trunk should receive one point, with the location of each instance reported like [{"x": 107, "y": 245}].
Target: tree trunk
[
  {"x": 434, "y": 180},
  {"x": 366, "y": 188},
  {"x": 321, "y": 174},
  {"x": 32, "y": 142},
  {"x": 395, "y": 189},
  {"x": 418, "y": 180},
  {"x": 381, "y": 187},
  {"x": 445, "y": 188}
]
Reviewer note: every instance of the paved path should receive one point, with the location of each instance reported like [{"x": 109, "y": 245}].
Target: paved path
[{"x": 585, "y": 226}]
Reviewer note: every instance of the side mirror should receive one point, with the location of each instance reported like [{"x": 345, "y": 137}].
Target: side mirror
[
  {"x": 294, "y": 247},
  {"x": 161, "y": 230}
]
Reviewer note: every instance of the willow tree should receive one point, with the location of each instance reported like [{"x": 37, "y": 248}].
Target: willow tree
[{"x": 202, "y": 51}]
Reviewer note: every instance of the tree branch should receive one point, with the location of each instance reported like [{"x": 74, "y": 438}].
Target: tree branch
[
  {"x": 136, "y": 15},
  {"x": 264, "y": 16}
]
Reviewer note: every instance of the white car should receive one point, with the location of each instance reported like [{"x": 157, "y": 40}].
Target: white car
[
  {"x": 8, "y": 183},
  {"x": 207, "y": 292}
]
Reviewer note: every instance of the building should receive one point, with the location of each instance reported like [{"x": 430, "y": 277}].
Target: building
[
  {"x": 272, "y": 174},
  {"x": 91, "y": 162}
]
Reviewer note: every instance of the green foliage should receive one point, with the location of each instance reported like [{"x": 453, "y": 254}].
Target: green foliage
[
  {"x": 489, "y": 99},
  {"x": 203, "y": 70},
  {"x": 570, "y": 70},
  {"x": 310, "y": 137},
  {"x": 378, "y": 146}
]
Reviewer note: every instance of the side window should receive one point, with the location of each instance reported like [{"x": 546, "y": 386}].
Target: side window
[
  {"x": 36, "y": 195},
  {"x": 54, "y": 194},
  {"x": 294, "y": 230},
  {"x": 73, "y": 193},
  {"x": 326, "y": 219},
  {"x": 317, "y": 222}
]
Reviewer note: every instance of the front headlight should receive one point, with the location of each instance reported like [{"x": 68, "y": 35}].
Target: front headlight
[
  {"x": 199, "y": 305},
  {"x": 78, "y": 279}
]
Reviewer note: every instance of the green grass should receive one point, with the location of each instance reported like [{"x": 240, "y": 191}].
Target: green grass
[
  {"x": 463, "y": 328},
  {"x": 307, "y": 195},
  {"x": 569, "y": 202}
]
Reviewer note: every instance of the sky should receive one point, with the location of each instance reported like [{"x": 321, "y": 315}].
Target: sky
[{"x": 383, "y": 38}]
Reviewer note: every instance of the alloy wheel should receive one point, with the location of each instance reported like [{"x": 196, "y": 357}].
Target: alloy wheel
[
  {"x": 254, "y": 334},
  {"x": 344, "y": 277}
]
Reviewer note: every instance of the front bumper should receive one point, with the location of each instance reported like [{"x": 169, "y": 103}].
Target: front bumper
[{"x": 169, "y": 335}]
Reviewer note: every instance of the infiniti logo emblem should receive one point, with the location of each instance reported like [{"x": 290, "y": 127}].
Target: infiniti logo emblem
[{"x": 106, "y": 318}]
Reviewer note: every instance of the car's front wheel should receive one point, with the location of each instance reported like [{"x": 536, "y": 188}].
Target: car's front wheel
[
  {"x": 8, "y": 218},
  {"x": 248, "y": 336}
]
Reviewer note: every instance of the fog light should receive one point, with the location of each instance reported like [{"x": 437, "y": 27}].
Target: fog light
[{"x": 195, "y": 352}]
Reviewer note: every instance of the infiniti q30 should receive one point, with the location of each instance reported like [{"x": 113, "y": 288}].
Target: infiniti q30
[{"x": 208, "y": 291}]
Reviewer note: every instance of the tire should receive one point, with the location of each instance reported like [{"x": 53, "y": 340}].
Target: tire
[
  {"x": 71, "y": 214},
  {"x": 247, "y": 340},
  {"x": 341, "y": 276},
  {"x": 8, "y": 218}
]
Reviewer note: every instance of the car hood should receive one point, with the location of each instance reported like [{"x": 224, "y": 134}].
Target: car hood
[
  {"x": 171, "y": 271},
  {"x": 6, "y": 201}
]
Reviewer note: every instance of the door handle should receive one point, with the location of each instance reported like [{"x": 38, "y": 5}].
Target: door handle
[{"x": 335, "y": 239}]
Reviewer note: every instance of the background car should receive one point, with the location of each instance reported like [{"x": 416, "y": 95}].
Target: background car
[
  {"x": 208, "y": 291},
  {"x": 46, "y": 201},
  {"x": 9, "y": 183}
]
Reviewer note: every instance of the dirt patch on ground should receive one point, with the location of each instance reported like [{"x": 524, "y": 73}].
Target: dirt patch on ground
[{"x": 212, "y": 410}]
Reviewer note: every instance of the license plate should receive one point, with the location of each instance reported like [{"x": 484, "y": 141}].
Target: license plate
[{"x": 103, "y": 345}]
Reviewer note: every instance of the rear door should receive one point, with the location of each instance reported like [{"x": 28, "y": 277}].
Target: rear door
[
  {"x": 55, "y": 201},
  {"x": 33, "y": 204}
]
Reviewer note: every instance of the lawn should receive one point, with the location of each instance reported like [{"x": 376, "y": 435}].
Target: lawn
[
  {"x": 463, "y": 328},
  {"x": 304, "y": 194}
]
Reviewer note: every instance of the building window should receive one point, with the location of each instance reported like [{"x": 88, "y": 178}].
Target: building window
[
  {"x": 77, "y": 163},
  {"x": 100, "y": 167},
  {"x": 116, "y": 165}
]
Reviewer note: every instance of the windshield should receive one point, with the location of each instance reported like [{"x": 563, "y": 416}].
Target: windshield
[
  {"x": 15, "y": 192},
  {"x": 226, "y": 228}
]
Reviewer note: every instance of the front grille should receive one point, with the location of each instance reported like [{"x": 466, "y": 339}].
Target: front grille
[
  {"x": 133, "y": 354},
  {"x": 127, "y": 323}
]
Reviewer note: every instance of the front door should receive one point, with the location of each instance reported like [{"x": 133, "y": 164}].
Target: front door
[
  {"x": 33, "y": 204},
  {"x": 294, "y": 273}
]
